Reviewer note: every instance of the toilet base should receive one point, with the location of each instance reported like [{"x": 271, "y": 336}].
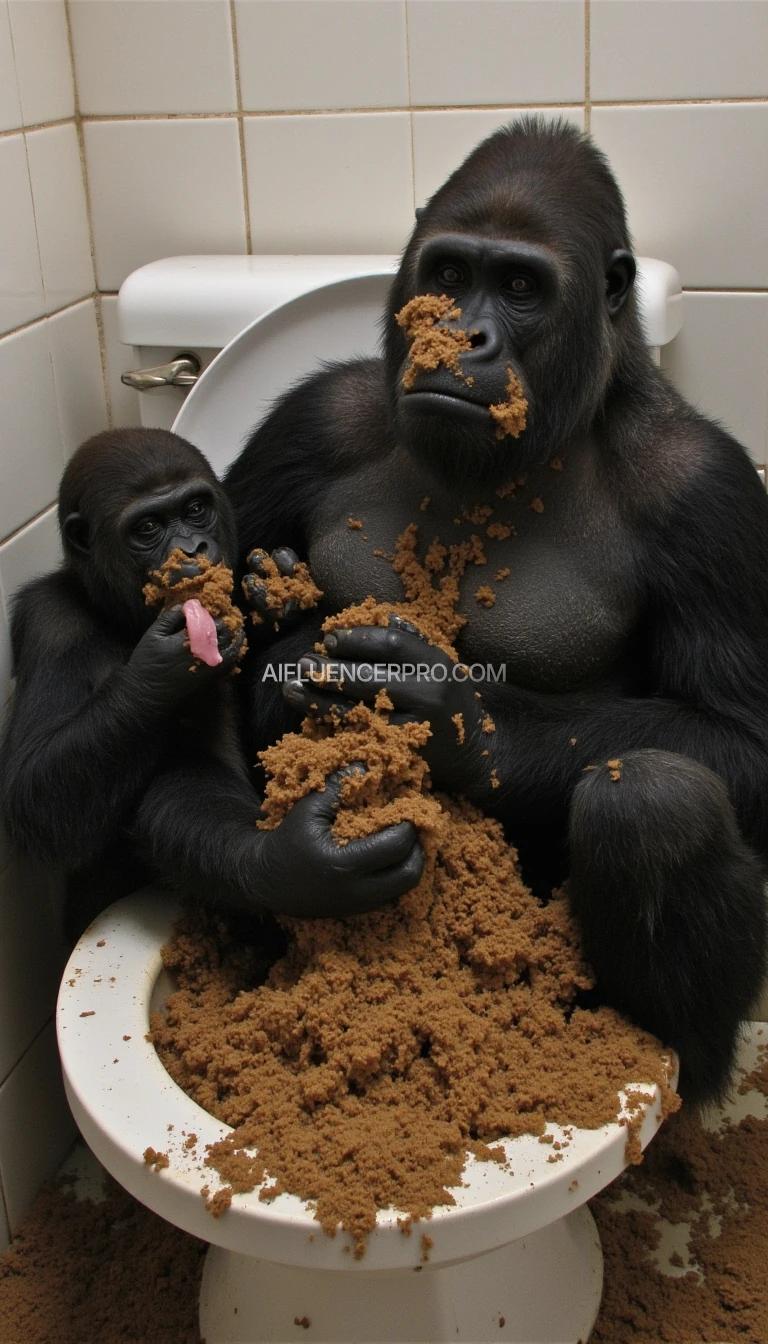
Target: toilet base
[{"x": 545, "y": 1288}]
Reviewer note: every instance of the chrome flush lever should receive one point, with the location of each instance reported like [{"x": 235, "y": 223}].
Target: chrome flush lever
[{"x": 181, "y": 372}]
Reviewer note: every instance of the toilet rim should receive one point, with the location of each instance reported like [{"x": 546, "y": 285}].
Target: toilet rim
[{"x": 124, "y": 1102}]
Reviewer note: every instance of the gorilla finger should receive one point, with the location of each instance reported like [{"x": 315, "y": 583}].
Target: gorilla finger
[
  {"x": 171, "y": 621},
  {"x": 384, "y": 849},
  {"x": 286, "y": 560},
  {"x": 385, "y": 887},
  {"x": 381, "y": 644},
  {"x": 256, "y": 594},
  {"x": 315, "y": 670},
  {"x": 308, "y": 700},
  {"x": 255, "y": 561}
]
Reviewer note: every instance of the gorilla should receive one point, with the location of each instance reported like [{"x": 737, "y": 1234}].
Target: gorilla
[
  {"x": 117, "y": 763},
  {"x": 626, "y": 541}
]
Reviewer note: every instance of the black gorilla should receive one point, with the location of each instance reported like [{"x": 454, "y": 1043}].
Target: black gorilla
[
  {"x": 633, "y": 624},
  {"x": 117, "y": 762}
]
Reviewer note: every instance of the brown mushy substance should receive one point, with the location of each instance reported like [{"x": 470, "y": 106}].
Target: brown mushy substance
[
  {"x": 81, "y": 1271},
  {"x": 381, "y": 1048},
  {"x": 282, "y": 589},
  {"x": 716, "y": 1182},
  {"x": 430, "y": 343},
  {"x": 510, "y": 415},
  {"x": 212, "y": 588}
]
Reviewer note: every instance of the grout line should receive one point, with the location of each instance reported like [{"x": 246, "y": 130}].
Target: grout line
[
  {"x": 43, "y": 317},
  {"x": 23, "y": 526},
  {"x": 436, "y": 107},
  {"x": 240, "y": 126},
  {"x": 36, "y": 126},
  {"x": 89, "y": 216},
  {"x": 29, "y": 1046},
  {"x": 587, "y": 66}
]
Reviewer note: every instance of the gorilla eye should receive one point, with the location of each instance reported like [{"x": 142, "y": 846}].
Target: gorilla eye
[
  {"x": 450, "y": 275},
  {"x": 197, "y": 510},
  {"x": 146, "y": 528},
  {"x": 521, "y": 284}
]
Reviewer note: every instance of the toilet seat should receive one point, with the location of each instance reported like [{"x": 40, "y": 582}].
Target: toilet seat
[
  {"x": 338, "y": 321},
  {"x": 124, "y": 1102}
]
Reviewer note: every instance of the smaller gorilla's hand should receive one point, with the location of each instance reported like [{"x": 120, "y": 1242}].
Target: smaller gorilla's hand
[
  {"x": 421, "y": 681},
  {"x": 256, "y": 592},
  {"x": 163, "y": 664},
  {"x": 304, "y": 872}
]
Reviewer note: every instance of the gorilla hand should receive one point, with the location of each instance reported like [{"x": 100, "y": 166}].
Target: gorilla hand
[
  {"x": 421, "y": 681},
  {"x": 304, "y": 872},
  {"x": 257, "y": 594},
  {"x": 162, "y": 662}
]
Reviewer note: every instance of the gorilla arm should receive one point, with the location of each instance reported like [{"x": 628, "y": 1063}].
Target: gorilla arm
[{"x": 89, "y": 720}]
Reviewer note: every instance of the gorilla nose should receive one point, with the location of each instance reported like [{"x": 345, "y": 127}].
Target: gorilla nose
[{"x": 485, "y": 338}]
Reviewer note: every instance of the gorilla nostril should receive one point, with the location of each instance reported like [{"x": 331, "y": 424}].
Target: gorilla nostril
[{"x": 477, "y": 338}]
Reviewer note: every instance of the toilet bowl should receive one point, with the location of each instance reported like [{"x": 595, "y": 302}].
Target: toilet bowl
[{"x": 517, "y": 1258}]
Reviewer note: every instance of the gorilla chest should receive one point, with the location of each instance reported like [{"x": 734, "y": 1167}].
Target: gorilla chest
[{"x": 548, "y": 593}]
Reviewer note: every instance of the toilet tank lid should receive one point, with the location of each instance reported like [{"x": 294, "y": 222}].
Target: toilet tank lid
[
  {"x": 208, "y": 300},
  {"x": 205, "y": 301}
]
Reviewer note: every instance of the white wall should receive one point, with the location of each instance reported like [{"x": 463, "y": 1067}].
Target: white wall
[{"x": 319, "y": 125}]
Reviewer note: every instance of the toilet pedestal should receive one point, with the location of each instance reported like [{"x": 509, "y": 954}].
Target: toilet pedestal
[{"x": 543, "y": 1289}]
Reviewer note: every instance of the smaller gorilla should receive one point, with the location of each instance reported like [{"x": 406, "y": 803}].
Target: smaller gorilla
[{"x": 114, "y": 756}]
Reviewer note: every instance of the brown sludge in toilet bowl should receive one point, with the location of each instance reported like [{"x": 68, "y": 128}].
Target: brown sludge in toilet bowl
[
  {"x": 212, "y": 588},
  {"x": 383, "y": 1047}
]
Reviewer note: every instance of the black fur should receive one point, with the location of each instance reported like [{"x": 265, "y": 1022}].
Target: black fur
[
  {"x": 97, "y": 775},
  {"x": 634, "y": 623}
]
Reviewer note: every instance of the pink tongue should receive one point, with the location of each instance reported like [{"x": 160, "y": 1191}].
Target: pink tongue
[{"x": 201, "y": 628}]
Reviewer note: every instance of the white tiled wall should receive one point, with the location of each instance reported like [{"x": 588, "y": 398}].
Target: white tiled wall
[{"x": 307, "y": 125}]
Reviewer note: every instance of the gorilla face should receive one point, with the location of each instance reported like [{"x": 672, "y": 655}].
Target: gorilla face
[{"x": 533, "y": 260}]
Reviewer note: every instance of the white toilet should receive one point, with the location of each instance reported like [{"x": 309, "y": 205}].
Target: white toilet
[{"x": 518, "y": 1257}]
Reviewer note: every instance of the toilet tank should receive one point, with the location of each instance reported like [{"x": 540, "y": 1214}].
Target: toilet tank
[{"x": 179, "y": 313}]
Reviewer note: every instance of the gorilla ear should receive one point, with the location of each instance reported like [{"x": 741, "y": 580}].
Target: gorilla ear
[
  {"x": 75, "y": 530},
  {"x": 619, "y": 279}
]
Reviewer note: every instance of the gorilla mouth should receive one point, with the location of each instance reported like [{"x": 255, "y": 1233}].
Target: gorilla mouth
[{"x": 433, "y": 400}]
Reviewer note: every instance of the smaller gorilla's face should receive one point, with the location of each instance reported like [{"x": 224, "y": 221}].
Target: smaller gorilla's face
[{"x": 183, "y": 517}]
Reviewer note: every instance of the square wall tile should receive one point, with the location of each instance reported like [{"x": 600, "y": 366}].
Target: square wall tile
[
  {"x": 719, "y": 362},
  {"x": 330, "y": 183},
  {"x": 334, "y": 54},
  {"x": 10, "y": 107},
  {"x": 35, "y": 549},
  {"x": 442, "y": 140},
  {"x": 124, "y": 401},
  {"x": 678, "y": 49},
  {"x": 36, "y": 1125},
  {"x": 58, "y": 192},
  {"x": 33, "y": 955},
  {"x": 170, "y": 56},
  {"x": 43, "y": 60},
  {"x": 21, "y": 282},
  {"x": 695, "y": 185},
  {"x": 31, "y": 458},
  {"x": 163, "y": 189},
  {"x": 495, "y": 51},
  {"x": 74, "y": 340}
]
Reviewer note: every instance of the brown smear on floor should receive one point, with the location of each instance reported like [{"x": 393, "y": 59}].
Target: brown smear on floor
[
  {"x": 212, "y": 588},
  {"x": 717, "y": 1183},
  {"x": 383, "y": 1047},
  {"x": 430, "y": 343},
  {"x": 80, "y": 1272}
]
